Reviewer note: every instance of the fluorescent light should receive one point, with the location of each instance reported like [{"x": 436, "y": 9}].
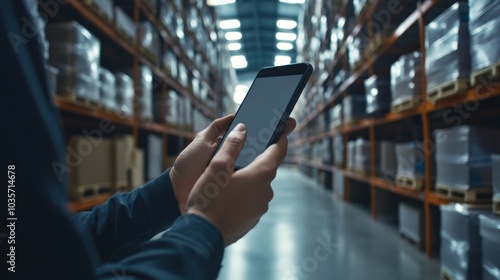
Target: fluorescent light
[
  {"x": 239, "y": 61},
  {"x": 233, "y": 46},
  {"x": 240, "y": 92},
  {"x": 233, "y": 36},
  {"x": 219, "y": 2},
  {"x": 282, "y": 60},
  {"x": 229, "y": 24},
  {"x": 293, "y": 1},
  {"x": 286, "y": 36},
  {"x": 286, "y": 24},
  {"x": 284, "y": 46}
]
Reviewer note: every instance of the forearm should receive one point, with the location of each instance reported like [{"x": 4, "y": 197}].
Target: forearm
[
  {"x": 192, "y": 249},
  {"x": 132, "y": 217}
]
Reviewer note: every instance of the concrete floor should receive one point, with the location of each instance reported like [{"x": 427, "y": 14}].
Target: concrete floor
[{"x": 309, "y": 234}]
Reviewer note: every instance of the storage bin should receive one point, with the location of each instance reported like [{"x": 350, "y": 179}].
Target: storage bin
[{"x": 490, "y": 234}]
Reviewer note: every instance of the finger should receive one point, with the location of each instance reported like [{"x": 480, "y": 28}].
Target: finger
[
  {"x": 273, "y": 156},
  {"x": 216, "y": 128},
  {"x": 291, "y": 123},
  {"x": 231, "y": 148}
]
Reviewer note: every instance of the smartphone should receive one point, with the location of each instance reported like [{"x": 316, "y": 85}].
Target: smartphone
[{"x": 267, "y": 106}]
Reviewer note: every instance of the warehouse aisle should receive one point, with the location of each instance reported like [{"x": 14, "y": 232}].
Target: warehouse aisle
[{"x": 307, "y": 234}]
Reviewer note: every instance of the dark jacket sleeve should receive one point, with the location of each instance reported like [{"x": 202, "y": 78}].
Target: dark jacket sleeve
[
  {"x": 48, "y": 244},
  {"x": 128, "y": 219},
  {"x": 192, "y": 249}
]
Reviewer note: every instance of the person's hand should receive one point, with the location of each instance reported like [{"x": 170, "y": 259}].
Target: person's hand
[
  {"x": 235, "y": 201},
  {"x": 193, "y": 160}
]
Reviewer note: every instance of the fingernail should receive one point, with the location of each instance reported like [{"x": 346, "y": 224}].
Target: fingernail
[{"x": 240, "y": 127}]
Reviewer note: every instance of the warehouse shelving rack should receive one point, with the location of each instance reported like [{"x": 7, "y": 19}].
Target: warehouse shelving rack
[
  {"x": 76, "y": 115},
  {"x": 414, "y": 24}
]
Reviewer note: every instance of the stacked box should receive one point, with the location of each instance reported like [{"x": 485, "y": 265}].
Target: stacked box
[
  {"x": 336, "y": 116},
  {"x": 485, "y": 33},
  {"x": 105, "y": 6},
  {"x": 124, "y": 94},
  {"x": 92, "y": 170},
  {"x": 411, "y": 222},
  {"x": 406, "y": 78},
  {"x": 145, "y": 104},
  {"x": 362, "y": 155},
  {"x": 125, "y": 24},
  {"x": 338, "y": 182},
  {"x": 183, "y": 74},
  {"x": 496, "y": 176},
  {"x": 448, "y": 46},
  {"x": 170, "y": 62},
  {"x": 154, "y": 157},
  {"x": 460, "y": 242},
  {"x": 137, "y": 173},
  {"x": 489, "y": 228},
  {"x": 463, "y": 156},
  {"x": 107, "y": 89},
  {"x": 351, "y": 155},
  {"x": 410, "y": 159},
  {"x": 123, "y": 152},
  {"x": 388, "y": 161},
  {"x": 378, "y": 94},
  {"x": 76, "y": 53},
  {"x": 354, "y": 106},
  {"x": 338, "y": 150},
  {"x": 167, "y": 16},
  {"x": 149, "y": 39},
  {"x": 356, "y": 50}
]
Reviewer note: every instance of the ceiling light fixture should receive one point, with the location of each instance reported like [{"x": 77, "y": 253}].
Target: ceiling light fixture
[
  {"x": 293, "y": 1},
  {"x": 239, "y": 61},
  {"x": 286, "y": 36},
  {"x": 219, "y": 2},
  {"x": 233, "y": 46},
  {"x": 240, "y": 91},
  {"x": 286, "y": 24},
  {"x": 282, "y": 60},
  {"x": 284, "y": 46},
  {"x": 233, "y": 36},
  {"x": 229, "y": 24}
]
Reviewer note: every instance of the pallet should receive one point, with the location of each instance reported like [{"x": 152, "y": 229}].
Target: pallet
[
  {"x": 496, "y": 207},
  {"x": 448, "y": 89},
  {"x": 336, "y": 124},
  {"x": 465, "y": 195},
  {"x": 446, "y": 276},
  {"x": 350, "y": 122},
  {"x": 486, "y": 75},
  {"x": 79, "y": 100},
  {"x": 407, "y": 103},
  {"x": 412, "y": 183},
  {"x": 124, "y": 35},
  {"x": 362, "y": 173},
  {"x": 417, "y": 244},
  {"x": 87, "y": 191}
]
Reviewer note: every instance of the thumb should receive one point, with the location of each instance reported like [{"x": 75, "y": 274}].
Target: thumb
[
  {"x": 231, "y": 148},
  {"x": 216, "y": 128}
]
